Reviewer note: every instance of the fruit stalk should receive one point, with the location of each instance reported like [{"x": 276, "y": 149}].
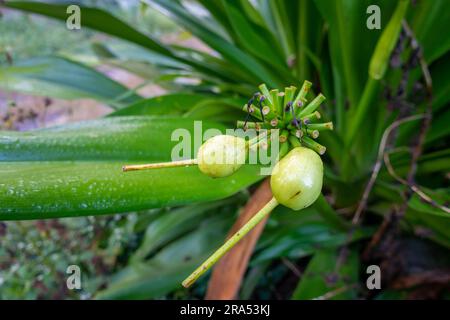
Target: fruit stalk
[
  {"x": 230, "y": 243},
  {"x": 301, "y": 96},
  {"x": 308, "y": 142},
  {"x": 313, "y": 105},
  {"x": 181, "y": 163},
  {"x": 321, "y": 126}
]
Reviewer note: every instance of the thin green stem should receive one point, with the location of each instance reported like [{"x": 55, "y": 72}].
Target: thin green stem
[
  {"x": 181, "y": 163},
  {"x": 230, "y": 243},
  {"x": 284, "y": 135},
  {"x": 284, "y": 149},
  {"x": 254, "y": 111},
  {"x": 313, "y": 105},
  {"x": 301, "y": 96},
  {"x": 258, "y": 137},
  {"x": 321, "y": 126},
  {"x": 317, "y": 147},
  {"x": 266, "y": 93},
  {"x": 269, "y": 113},
  {"x": 250, "y": 125},
  {"x": 294, "y": 141},
  {"x": 280, "y": 99},
  {"x": 311, "y": 117},
  {"x": 288, "y": 99},
  {"x": 276, "y": 105}
]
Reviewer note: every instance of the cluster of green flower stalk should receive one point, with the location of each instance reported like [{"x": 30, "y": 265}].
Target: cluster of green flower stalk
[
  {"x": 290, "y": 112},
  {"x": 296, "y": 180}
]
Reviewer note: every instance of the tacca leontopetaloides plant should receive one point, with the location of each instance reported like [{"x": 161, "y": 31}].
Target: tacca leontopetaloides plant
[{"x": 296, "y": 180}]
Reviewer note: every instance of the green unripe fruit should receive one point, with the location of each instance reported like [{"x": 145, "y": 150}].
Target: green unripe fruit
[
  {"x": 296, "y": 179},
  {"x": 221, "y": 155}
]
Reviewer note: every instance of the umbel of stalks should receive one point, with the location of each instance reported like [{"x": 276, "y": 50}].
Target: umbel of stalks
[
  {"x": 293, "y": 112},
  {"x": 296, "y": 182},
  {"x": 220, "y": 156}
]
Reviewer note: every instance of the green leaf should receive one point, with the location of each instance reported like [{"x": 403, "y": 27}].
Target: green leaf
[
  {"x": 439, "y": 128},
  {"x": 139, "y": 281},
  {"x": 129, "y": 52},
  {"x": 441, "y": 87},
  {"x": 175, "y": 223},
  {"x": 441, "y": 197},
  {"x": 77, "y": 170},
  {"x": 192, "y": 105},
  {"x": 428, "y": 21},
  {"x": 126, "y": 138},
  {"x": 351, "y": 42},
  {"x": 308, "y": 25},
  {"x": 252, "y": 279},
  {"x": 322, "y": 277},
  {"x": 217, "y": 11},
  {"x": 385, "y": 45},
  {"x": 40, "y": 190},
  {"x": 377, "y": 68},
  {"x": 280, "y": 14},
  {"x": 103, "y": 21},
  {"x": 170, "y": 104},
  {"x": 430, "y": 163},
  {"x": 228, "y": 50},
  {"x": 223, "y": 110},
  {"x": 255, "y": 39},
  {"x": 96, "y": 19},
  {"x": 329, "y": 215},
  {"x": 434, "y": 220},
  {"x": 62, "y": 78},
  {"x": 295, "y": 236},
  {"x": 165, "y": 271}
]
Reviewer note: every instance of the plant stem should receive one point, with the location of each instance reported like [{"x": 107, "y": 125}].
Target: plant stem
[
  {"x": 313, "y": 134},
  {"x": 313, "y": 105},
  {"x": 321, "y": 126},
  {"x": 294, "y": 141},
  {"x": 284, "y": 135},
  {"x": 278, "y": 108},
  {"x": 250, "y": 125},
  {"x": 284, "y": 149},
  {"x": 181, "y": 163},
  {"x": 266, "y": 93},
  {"x": 310, "y": 117},
  {"x": 253, "y": 111},
  {"x": 269, "y": 113},
  {"x": 259, "y": 137},
  {"x": 320, "y": 149},
  {"x": 301, "y": 96},
  {"x": 230, "y": 243}
]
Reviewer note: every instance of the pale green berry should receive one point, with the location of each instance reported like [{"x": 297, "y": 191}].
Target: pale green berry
[
  {"x": 296, "y": 180},
  {"x": 221, "y": 155}
]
